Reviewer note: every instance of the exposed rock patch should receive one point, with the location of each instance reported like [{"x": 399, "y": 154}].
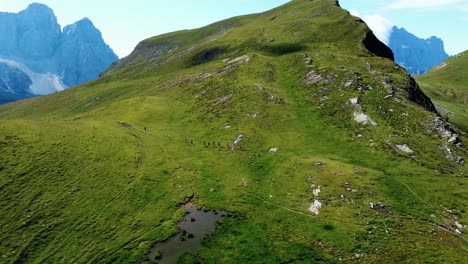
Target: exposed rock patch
[
  {"x": 404, "y": 148},
  {"x": 313, "y": 78},
  {"x": 316, "y": 204},
  {"x": 315, "y": 207},
  {"x": 443, "y": 129},
  {"x": 236, "y": 142},
  {"x": 359, "y": 115},
  {"x": 274, "y": 150}
]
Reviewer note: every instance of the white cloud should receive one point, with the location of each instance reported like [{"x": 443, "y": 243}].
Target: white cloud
[
  {"x": 405, "y": 4},
  {"x": 354, "y": 13},
  {"x": 381, "y": 26}
]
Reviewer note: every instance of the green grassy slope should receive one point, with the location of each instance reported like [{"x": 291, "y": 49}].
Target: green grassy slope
[
  {"x": 83, "y": 181},
  {"x": 447, "y": 85}
]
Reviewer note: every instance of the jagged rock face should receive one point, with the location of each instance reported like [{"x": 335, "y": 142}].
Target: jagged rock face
[
  {"x": 38, "y": 32},
  {"x": 34, "y": 38},
  {"x": 377, "y": 47},
  {"x": 14, "y": 84},
  {"x": 83, "y": 53},
  {"x": 416, "y": 55}
]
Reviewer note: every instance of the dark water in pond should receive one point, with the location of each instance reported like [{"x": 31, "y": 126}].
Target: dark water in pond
[{"x": 195, "y": 224}]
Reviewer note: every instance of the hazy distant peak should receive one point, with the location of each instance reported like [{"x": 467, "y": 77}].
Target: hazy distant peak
[
  {"x": 38, "y": 7},
  {"x": 39, "y": 16},
  {"x": 416, "y": 55},
  {"x": 40, "y": 12},
  {"x": 84, "y": 28}
]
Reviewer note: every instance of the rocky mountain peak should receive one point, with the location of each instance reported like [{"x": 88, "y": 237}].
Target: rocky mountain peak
[
  {"x": 39, "y": 16},
  {"x": 34, "y": 39},
  {"x": 83, "y": 29}
]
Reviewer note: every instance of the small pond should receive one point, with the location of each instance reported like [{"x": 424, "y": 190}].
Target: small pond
[{"x": 194, "y": 226}]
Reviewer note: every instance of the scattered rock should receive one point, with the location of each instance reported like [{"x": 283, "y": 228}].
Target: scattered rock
[
  {"x": 237, "y": 142},
  {"x": 245, "y": 58},
  {"x": 222, "y": 99},
  {"x": 453, "y": 139},
  {"x": 313, "y": 78},
  {"x": 387, "y": 80},
  {"x": 445, "y": 131},
  {"x": 349, "y": 83},
  {"x": 458, "y": 225},
  {"x": 363, "y": 119},
  {"x": 244, "y": 182},
  {"x": 405, "y": 149},
  {"x": 316, "y": 192},
  {"x": 359, "y": 115},
  {"x": 274, "y": 150},
  {"x": 315, "y": 206},
  {"x": 447, "y": 151},
  {"x": 380, "y": 207},
  {"x": 354, "y": 101}
]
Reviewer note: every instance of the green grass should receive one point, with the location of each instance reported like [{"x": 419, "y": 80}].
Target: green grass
[
  {"x": 447, "y": 85},
  {"x": 82, "y": 181}
]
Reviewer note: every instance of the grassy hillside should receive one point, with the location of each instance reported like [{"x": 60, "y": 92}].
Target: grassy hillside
[
  {"x": 447, "y": 85},
  {"x": 97, "y": 173}
]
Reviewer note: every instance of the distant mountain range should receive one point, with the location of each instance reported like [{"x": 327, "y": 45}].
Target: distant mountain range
[
  {"x": 416, "y": 55},
  {"x": 37, "y": 57}
]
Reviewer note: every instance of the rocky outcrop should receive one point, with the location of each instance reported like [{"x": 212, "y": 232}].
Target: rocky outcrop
[
  {"x": 375, "y": 46},
  {"x": 416, "y": 95}
]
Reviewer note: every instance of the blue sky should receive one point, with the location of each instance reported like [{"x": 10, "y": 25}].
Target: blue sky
[
  {"x": 124, "y": 23},
  {"x": 447, "y": 19}
]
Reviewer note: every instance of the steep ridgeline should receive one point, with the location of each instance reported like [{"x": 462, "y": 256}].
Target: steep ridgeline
[
  {"x": 447, "y": 85},
  {"x": 416, "y": 55},
  {"x": 33, "y": 42},
  {"x": 296, "y": 122}
]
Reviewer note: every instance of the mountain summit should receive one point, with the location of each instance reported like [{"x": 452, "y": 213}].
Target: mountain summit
[
  {"x": 296, "y": 122},
  {"x": 32, "y": 39}
]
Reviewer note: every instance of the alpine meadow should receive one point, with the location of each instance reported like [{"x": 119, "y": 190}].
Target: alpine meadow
[{"x": 296, "y": 122}]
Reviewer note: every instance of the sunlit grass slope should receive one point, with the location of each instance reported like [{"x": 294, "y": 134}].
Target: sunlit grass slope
[
  {"x": 447, "y": 85},
  {"x": 97, "y": 173}
]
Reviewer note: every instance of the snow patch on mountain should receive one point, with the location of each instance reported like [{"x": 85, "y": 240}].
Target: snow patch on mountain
[{"x": 42, "y": 84}]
